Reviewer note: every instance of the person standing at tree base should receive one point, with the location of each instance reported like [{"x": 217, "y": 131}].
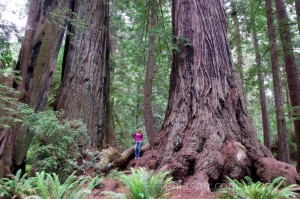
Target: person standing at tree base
[{"x": 138, "y": 138}]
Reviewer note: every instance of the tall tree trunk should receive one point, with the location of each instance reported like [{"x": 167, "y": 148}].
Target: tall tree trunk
[
  {"x": 263, "y": 99},
  {"x": 36, "y": 62},
  {"x": 148, "y": 115},
  {"x": 25, "y": 53},
  {"x": 293, "y": 80},
  {"x": 297, "y": 7},
  {"x": 238, "y": 39},
  {"x": 207, "y": 133},
  {"x": 111, "y": 138},
  {"x": 283, "y": 150},
  {"x": 84, "y": 89}
]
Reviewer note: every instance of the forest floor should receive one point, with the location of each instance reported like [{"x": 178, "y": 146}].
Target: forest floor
[{"x": 182, "y": 192}]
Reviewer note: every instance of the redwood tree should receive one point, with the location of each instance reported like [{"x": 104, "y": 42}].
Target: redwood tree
[
  {"x": 262, "y": 93},
  {"x": 37, "y": 60},
  {"x": 148, "y": 115},
  {"x": 207, "y": 133},
  {"x": 85, "y": 84}
]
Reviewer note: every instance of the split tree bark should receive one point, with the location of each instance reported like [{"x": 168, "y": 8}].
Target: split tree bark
[
  {"x": 207, "y": 133},
  {"x": 37, "y": 61},
  {"x": 292, "y": 74}
]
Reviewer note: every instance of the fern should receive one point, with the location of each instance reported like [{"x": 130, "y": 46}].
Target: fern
[
  {"x": 247, "y": 189},
  {"x": 49, "y": 186},
  {"x": 16, "y": 186},
  {"x": 144, "y": 184}
]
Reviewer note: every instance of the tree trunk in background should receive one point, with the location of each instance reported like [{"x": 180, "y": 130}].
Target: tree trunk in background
[
  {"x": 297, "y": 7},
  {"x": 111, "y": 138},
  {"x": 148, "y": 115},
  {"x": 293, "y": 80},
  {"x": 238, "y": 39},
  {"x": 263, "y": 99},
  {"x": 283, "y": 150},
  {"x": 36, "y": 62},
  {"x": 207, "y": 133},
  {"x": 84, "y": 89}
]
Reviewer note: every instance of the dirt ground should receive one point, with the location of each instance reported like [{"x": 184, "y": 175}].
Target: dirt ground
[{"x": 181, "y": 192}]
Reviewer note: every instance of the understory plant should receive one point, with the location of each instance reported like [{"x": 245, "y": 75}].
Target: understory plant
[
  {"x": 143, "y": 184},
  {"x": 247, "y": 189},
  {"x": 50, "y": 186},
  {"x": 56, "y": 142},
  {"x": 47, "y": 186},
  {"x": 17, "y": 185}
]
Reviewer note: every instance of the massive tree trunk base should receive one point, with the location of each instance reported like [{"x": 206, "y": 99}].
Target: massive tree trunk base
[{"x": 232, "y": 160}]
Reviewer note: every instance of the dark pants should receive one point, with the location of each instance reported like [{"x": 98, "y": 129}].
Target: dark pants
[{"x": 137, "y": 149}]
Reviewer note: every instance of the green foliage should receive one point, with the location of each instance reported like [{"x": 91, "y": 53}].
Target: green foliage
[
  {"x": 49, "y": 186},
  {"x": 145, "y": 185},
  {"x": 249, "y": 190},
  {"x": 12, "y": 111},
  {"x": 128, "y": 26},
  {"x": 17, "y": 185},
  {"x": 56, "y": 142}
]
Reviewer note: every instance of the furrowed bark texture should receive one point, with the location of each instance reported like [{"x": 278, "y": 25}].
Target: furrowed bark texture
[
  {"x": 293, "y": 80},
  {"x": 84, "y": 89},
  {"x": 207, "y": 133},
  {"x": 262, "y": 93},
  {"x": 283, "y": 150}
]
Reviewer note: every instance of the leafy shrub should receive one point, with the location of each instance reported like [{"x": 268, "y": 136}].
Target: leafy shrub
[
  {"x": 144, "y": 184},
  {"x": 56, "y": 142},
  {"x": 249, "y": 190},
  {"x": 16, "y": 186}
]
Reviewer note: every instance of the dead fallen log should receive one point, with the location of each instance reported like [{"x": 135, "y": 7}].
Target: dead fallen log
[{"x": 112, "y": 157}]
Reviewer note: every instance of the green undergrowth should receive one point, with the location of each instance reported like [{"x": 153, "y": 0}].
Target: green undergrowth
[
  {"x": 47, "y": 186},
  {"x": 247, "y": 189},
  {"x": 143, "y": 184}
]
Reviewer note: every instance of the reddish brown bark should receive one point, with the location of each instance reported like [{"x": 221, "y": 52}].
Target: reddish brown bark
[
  {"x": 263, "y": 99},
  {"x": 293, "y": 80},
  {"x": 207, "y": 133},
  {"x": 25, "y": 53},
  {"x": 36, "y": 62},
  {"x": 148, "y": 115},
  {"x": 84, "y": 90}
]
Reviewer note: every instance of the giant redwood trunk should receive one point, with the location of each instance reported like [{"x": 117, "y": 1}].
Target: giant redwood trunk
[
  {"x": 84, "y": 90},
  {"x": 37, "y": 60},
  {"x": 292, "y": 74},
  {"x": 207, "y": 133}
]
